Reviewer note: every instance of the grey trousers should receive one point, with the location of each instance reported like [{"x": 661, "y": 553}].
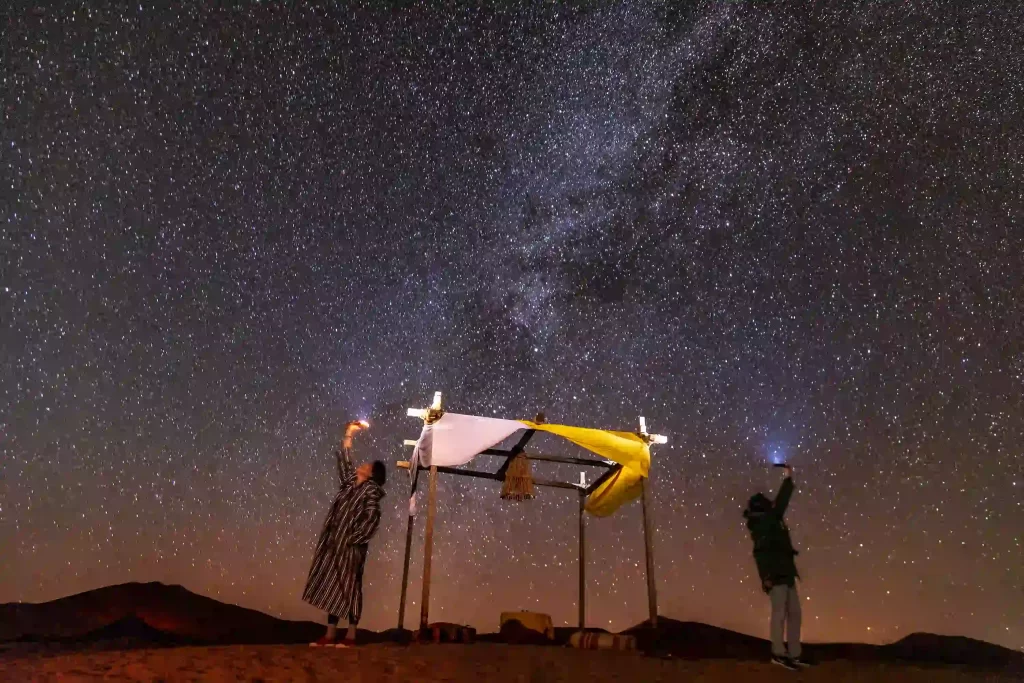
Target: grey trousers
[{"x": 786, "y": 616}]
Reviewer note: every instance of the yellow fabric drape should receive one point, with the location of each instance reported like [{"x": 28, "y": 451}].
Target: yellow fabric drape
[
  {"x": 626, "y": 448},
  {"x": 623, "y": 487}
]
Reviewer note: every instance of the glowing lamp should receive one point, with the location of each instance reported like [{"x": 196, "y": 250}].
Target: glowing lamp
[
  {"x": 425, "y": 414},
  {"x": 651, "y": 438}
]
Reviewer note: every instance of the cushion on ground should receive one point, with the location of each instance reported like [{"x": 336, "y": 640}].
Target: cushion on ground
[
  {"x": 442, "y": 632},
  {"x": 602, "y": 641}
]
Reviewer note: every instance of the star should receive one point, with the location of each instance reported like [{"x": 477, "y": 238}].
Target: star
[{"x": 772, "y": 232}]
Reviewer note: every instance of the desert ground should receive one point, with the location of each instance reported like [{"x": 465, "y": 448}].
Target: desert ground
[{"x": 479, "y": 663}]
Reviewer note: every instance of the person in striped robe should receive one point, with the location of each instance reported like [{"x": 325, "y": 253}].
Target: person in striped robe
[{"x": 335, "y": 583}]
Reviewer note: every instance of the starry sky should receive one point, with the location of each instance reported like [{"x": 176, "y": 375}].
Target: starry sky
[{"x": 774, "y": 231}]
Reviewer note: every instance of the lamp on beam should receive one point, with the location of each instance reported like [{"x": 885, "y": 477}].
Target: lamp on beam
[
  {"x": 428, "y": 415},
  {"x": 651, "y": 438}
]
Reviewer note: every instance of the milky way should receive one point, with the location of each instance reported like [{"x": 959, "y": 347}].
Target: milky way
[{"x": 774, "y": 233}]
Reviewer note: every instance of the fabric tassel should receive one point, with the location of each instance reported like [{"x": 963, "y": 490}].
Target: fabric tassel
[{"x": 518, "y": 484}]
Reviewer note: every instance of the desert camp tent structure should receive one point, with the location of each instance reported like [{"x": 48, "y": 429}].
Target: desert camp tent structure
[{"x": 449, "y": 440}]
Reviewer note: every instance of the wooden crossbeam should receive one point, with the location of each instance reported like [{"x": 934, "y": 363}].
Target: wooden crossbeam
[
  {"x": 614, "y": 469},
  {"x": 552, "y": 458},
  {"x": 404, "y": 464},
  {"x": 516, "y": 450},
  {"x": 568, "y": 460}
]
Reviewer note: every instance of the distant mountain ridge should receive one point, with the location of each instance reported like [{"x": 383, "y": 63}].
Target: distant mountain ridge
[
  {"x": 172, "y": 611},
  {"x": 693, "y": 640},
  {"x": 928, "y": 647},
  {"x": 155, "y": 614},
  {"x": 131, "y": 629}
]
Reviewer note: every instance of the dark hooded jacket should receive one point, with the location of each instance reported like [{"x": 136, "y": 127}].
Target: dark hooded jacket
[{"x": 773, "y": 549}]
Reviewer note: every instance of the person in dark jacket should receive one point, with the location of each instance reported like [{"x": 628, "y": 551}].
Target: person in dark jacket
[
  {"x": 776, "y": 565},
  {"x": 335, "y": 583}
]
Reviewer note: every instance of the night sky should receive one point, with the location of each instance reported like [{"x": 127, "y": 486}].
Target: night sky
[{"x": 774, "y": 231}]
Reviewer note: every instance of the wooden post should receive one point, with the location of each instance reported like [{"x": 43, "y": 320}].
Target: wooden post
[
  {"x": 428, "y": 544},
  {"x": 652, "y": 595},
  {"x": 408, "y": 552},
  {"x": 583, "y": 563}
]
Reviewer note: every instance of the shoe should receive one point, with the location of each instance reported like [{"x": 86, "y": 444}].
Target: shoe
[
  {"x": 324, "y": 641},
  {"x": 344, "y": 643},
  {"x": 801, "y": 663},
  {"x": 785, "y": 663}
]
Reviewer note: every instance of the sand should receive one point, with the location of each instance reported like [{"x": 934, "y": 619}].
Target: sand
[{"x": 478, "y": 663}]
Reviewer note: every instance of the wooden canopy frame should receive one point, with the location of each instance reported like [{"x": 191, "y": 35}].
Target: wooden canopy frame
[{"x": 582, "y": 491}]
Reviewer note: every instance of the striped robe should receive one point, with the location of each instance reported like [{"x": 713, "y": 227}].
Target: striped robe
[{"x": 335, "y": 583}]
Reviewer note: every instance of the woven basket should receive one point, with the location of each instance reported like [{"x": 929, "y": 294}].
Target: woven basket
[{"x": 518, "y": 484}]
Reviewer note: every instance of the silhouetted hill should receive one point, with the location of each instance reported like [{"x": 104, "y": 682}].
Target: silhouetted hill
[
  {"x": 690, "y": 640},
  {"x": 130, "y": 628},
  {"x": 927, "y": 647},
  {"x": 149, "y": 614},
  {"x": 147, "y": 610},
  {"x": 126, "y": 633}
]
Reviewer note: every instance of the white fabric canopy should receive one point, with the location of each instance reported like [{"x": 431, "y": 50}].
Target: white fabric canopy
[{"x": 455, "y": 439}]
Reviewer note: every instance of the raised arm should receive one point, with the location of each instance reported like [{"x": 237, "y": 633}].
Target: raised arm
[
  {"x": 346, "y": 472},
  {"x": 783, "y": 496}
]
